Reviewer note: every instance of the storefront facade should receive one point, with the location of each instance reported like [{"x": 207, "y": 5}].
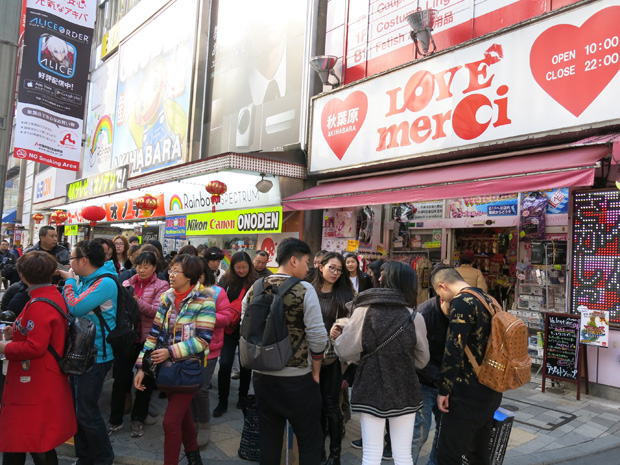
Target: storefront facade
[{"x": 459, "y": 151}]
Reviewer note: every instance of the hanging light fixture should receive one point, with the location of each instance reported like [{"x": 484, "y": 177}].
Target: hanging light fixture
[
  {"x": 264, "y": 185},
  {"x": 38, "y": 217}
]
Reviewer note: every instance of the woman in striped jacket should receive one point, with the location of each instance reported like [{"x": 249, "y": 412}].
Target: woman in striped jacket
[{"x": 184, "y": 326}]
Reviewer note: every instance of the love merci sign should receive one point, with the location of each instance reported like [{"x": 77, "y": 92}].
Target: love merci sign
[{"x": 556, "y": 74}]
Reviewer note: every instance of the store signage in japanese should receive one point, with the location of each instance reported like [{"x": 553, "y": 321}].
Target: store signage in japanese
[
  {"x": 596, "y": 254},
  {"x": 50, "y": 184},
  {"x": 98, "y": 184},
  {"x": 175, "y": 226},
  {"x": 569, "y": 68},
  {"x": 254, "y": 221},
  {"x": 378, "y": 35},
  {"x": 71, "y": 230},
  {"x": 483, "y": 206},
  {"x": 53, "y": 82}
]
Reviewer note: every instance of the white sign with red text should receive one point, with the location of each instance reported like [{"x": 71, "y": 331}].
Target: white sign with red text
[{"x": 556, "y": 74}]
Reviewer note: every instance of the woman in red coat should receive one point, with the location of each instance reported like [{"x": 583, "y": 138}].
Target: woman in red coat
[{"x": 37, "y": 412}]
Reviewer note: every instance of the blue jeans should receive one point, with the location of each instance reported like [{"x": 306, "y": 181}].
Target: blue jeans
[
  {"x": 92, "y": 443},
  {"x": 422, "y": 424}
]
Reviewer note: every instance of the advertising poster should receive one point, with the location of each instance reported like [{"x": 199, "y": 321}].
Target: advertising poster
[
  {"x": 53, "y": 82},
  {"x": 253, "y": 221},
  {"x": 269, "y": 243},
  {"x": 483, "y": 206},
  {"x": 569, "y": 69},
  {"x": 154, "y": 92},
  {"x": 595, "y": 328},
  {"x": 175, "y": 226},
  {"x": 258, "y": 76},
  {"x": 100, "y": 118}
]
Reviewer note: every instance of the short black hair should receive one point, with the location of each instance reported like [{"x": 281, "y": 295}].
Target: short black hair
[
  {"x": 188, "y": 250},
  {"x": 44, "y": 229},
  {"x": 146, "y": 257},
  {"x": 92, "y": 250},
  {"x": 4, "y": 240},
  {"x": 191, "y": 265},
  {"x": 262, "y": 253},
  {"x": 445, "y": 274},
  {"x": 401, "y": 277},
  {"x": 291, "y": 247},
  {"x": 133, "y": 239}
]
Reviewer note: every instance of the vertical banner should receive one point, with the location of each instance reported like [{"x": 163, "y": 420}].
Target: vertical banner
[
  {"x": 154, "y": 92},
  {"x": 53, "y": 82}
]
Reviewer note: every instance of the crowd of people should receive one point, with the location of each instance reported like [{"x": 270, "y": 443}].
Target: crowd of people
[{"x": 403, "y": 361}]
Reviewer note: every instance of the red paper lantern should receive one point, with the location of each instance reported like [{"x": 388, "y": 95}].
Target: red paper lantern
[
  {"x": 216, "y": 189},
  {"x": 147, "y": 203},
  {"x": 93, "y": 214},
  {"x": 58, "y": 217},
  {"x": 38, "y": 217}
]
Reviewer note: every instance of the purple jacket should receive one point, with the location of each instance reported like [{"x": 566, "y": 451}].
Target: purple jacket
[{"x": 148, "y": 301}]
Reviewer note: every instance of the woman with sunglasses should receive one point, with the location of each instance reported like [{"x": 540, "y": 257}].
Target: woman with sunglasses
[
  {"x": 334, "y": 288},
  {"x": 184, "y": 327}
]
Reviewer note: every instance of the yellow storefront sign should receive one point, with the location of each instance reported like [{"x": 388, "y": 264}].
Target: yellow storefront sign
[
  {"x": 71, "y": 230},
  {"x": 253, "y": 221}
]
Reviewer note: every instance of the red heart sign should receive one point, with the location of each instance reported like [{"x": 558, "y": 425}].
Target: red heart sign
[
  {"x": 342, "y": 120},
  {"x": 574, "y": 64}
]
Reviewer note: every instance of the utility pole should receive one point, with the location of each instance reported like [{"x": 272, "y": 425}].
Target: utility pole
[{"x": 10, "y": 19}]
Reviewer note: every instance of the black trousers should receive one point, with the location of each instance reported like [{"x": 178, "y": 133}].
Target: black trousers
[
  {"x": 466, "y": 429},
  {"x": 331, "y": 415},
  {"x": 296, "y": 399},
  {"x": 39, "y": 458},
  {"x": 122, "y": 371}
]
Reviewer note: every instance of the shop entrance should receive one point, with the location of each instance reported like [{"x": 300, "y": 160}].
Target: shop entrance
[{"x": 495, "y": 254}]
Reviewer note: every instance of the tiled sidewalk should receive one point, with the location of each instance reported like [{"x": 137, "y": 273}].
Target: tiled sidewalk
[{"x": 548, "y": 428}]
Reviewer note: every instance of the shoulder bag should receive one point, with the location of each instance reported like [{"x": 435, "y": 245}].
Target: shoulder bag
[{"x": 180, "y": 376}]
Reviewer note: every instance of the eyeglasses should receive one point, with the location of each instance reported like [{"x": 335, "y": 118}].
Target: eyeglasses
[
  {"x": 334, "y": 270},
  {"x": 174, "y": 272},
  {"x": 74, "y": 258}
]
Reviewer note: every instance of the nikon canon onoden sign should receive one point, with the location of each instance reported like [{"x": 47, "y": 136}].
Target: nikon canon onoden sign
[{"x": 255, "y": 221}]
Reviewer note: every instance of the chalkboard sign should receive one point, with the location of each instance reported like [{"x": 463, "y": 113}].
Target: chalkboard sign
[{"x": 561, "y": 360}]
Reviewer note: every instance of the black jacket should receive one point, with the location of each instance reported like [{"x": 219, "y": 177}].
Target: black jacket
[
  {"x": 61, "y": 254},
  {"x": 15, "y": 298},
  {"x": 436, "y": 329}
]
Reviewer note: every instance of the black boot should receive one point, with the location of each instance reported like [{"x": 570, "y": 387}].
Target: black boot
[
  {"x": 193, "y": 457},
  {"x": 221, "y": 409},
  {"x": 335, "y": 422},
  {"x": 333, "y": 461}
]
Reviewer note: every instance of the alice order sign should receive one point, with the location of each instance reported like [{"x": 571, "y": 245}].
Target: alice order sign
[{"x": 257, "y": 221}]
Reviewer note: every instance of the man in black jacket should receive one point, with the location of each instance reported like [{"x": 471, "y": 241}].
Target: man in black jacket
[
  {"x": 435, "y": 312},
  {"x": 48, "y": 242},
  {"x": 466, "y": 406},
  {"x": 7, "y": 264}
]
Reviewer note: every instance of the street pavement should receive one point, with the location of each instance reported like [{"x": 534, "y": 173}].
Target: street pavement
[{"x": 549, "y": 428}]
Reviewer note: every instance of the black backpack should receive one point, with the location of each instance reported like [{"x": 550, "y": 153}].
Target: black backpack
[
  {"x": 123, "y": 338},
  {"x": 264, "y": 344},
  {"x": 79, "y": 353}
]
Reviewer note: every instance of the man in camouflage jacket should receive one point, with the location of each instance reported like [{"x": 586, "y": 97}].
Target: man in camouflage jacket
[
  {"x": 467, "y": 406},
  {"x": 293, "y": 393}
]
